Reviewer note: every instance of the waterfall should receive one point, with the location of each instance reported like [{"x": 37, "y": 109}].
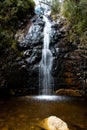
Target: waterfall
[
  {"x": 45, "y": 67},
  {"x": 46, "y": 80}
]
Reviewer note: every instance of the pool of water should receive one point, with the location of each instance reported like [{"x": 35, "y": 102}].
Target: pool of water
[{"x": 23, "y": 113}]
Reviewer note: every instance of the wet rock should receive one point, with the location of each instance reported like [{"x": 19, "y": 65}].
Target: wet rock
[
  {"x": 53, "y": 123},
  {"x": 55, "y": 34},
  {"x": 68, "y": 92},
  {"x": 35, "y": 70},
  {"x": 62, "y": 53},
  {"x": 34, "y": 35},
  {"x": 35, "y": 57},
  {"x": 55, "y": 25},
  {"x": 27, "y": 53},
  {"x": 66, "y": 66}
]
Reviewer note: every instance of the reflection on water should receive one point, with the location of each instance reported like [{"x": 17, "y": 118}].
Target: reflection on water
[
  {"x": 51, "y": 98},
  {"x": 23, "y": 113}
]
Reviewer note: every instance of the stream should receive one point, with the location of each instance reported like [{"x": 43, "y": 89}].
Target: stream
[{"x": 23, "y": 113}]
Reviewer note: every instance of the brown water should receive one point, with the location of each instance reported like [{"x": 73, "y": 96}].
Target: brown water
[{"x": 23, "y": 113}]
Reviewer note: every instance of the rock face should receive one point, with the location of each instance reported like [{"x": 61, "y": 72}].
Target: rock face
[
  {"x": 32, "y": 47},
  {"x": 70, "y": 68},
  {"x": 34, "y": 36},
  {"x": 53, "y": 123},
  {"x": 20, "y": 74}
]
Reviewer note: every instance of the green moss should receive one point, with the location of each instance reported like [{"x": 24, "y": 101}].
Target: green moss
[{"x": 11, "y": 12}]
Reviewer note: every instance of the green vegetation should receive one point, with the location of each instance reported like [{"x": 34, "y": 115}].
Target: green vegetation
[
  {"x": 76, "y": 14},
  {"x": 55, "y": 6},
  {"x": 75, "y": 11},
  {"x": 12, "y": 13}
]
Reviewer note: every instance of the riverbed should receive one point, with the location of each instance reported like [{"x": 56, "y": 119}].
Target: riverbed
[{"x": 24, "y": 113}]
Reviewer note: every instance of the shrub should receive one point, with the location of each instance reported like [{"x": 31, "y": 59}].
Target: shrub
[
  {"x": 76, "y": 14},
  {"x": 55, "y": 6},
  {"x": 69, "y": 9},
  {"x": 14, "y": 10},
  {"x": 11, "y": 12}
]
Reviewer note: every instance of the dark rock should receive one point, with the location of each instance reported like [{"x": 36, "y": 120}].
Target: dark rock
[
  {"x": 35, "y": 57},
  {"x": 55, "y": 25},
  {"x": 34, "y": 35},
  {"x": 27, "y": 53},
  {"x": 54, "y": 51}
]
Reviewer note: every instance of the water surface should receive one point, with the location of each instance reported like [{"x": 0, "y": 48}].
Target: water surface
[{"x": 23, "y": 113}]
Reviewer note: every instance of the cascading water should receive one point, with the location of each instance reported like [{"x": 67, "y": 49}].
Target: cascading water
[
  {"x": 46, "y": 80},
  {"x": 45, "y": 77}
]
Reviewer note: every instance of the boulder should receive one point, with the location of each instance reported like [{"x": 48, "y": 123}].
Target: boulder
[
  {"x": 53, "y": 123},
  {"x": 68, "y": 92}
]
